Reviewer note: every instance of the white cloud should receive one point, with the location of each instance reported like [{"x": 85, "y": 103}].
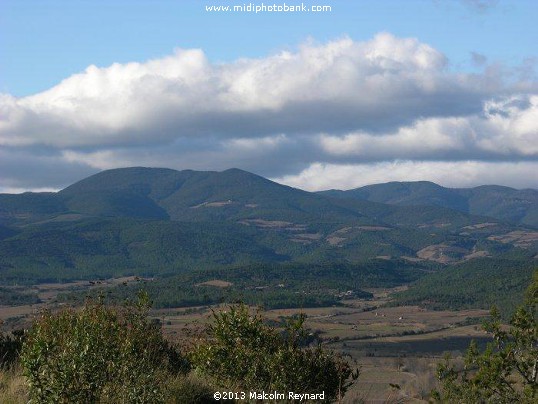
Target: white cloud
[
  {"x": 512, "y": 124},
  {"x": 247, "y": 145},
  {"x": 343, "y": 104},
  {"x": 384, "y": 81},
  {"x": 421, "y": 139},
  {"x": 449, "y": 174},
  {"x": 10, "y": 190},
  {"x": 507, "y": 127}
]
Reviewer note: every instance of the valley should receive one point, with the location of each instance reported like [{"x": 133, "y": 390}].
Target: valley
[
  {"x": 393, "y": 282},
  {"x": 393, "y": 345}
]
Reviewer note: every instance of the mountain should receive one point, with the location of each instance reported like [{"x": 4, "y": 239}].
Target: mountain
[
  {"x": 153, "y": 221},
  {"x": 231, "y": 195},
  {"x": 504, "y": 203},
  {"x": 196, "y": 196}
]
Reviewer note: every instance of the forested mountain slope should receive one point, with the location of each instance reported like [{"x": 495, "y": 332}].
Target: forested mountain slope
[
  {"x": 504, "y": 203},
  {"x": 155, "y": 221}
]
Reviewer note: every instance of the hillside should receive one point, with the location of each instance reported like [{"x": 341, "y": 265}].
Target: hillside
[
  {"x": 480, "y": 283},
  {"x": 197, "y": 196},
  {"x": 156, "y": 222},
  {"x": 503, "y": 203}
]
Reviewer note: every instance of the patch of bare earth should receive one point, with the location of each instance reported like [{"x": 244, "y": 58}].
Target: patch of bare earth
[
  {"x": 480, "y": 226},
  {"x": 436, "y": 225},
  {"x": 336, "y": 238},
  {"x": 273, "y": 224},
  {"x": 519, "y": 238},
  {"x": 306, "y": 238},
  {"x": 477, "y": 254},
  {"x": 373, "y": 228},
  {"x": 443, "y": 253},
  {"x": 336, "y": 241},
  {"x": 217, "y": 283},
  {"x": 216, "y": 204}
]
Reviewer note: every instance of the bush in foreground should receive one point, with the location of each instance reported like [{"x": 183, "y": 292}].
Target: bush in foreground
[
  {"x": 241, "y": 352},
  {"x": 507, "y": 371},
  {"x": 98, "y": 353},
  {"x": 116, "y": 355}
]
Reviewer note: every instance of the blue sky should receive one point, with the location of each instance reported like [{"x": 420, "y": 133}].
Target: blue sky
[
  {"x": 373, "y": 91},
  {"x": 44, "y": 41}
]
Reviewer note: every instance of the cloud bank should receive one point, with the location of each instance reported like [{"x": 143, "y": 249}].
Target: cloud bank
[{"x": 344, "y": 112}]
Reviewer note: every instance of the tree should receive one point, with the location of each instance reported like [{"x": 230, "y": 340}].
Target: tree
[
  {"x": 507, "y": 371},
  {"x": 242, "y": 352}
]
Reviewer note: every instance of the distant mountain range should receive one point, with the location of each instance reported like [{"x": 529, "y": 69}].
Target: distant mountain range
[
  {"x": 155, "y": 221},
  {"x": 504, "y": 203}
]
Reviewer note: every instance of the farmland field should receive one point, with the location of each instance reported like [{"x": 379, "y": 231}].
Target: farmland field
[{"x": 396, "y": 346}]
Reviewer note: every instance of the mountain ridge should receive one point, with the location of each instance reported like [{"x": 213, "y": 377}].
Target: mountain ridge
[
  {"x": 496, "y": 201},
  {"x": 152, "y": 221}
]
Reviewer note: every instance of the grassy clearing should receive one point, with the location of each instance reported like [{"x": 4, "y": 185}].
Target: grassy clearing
[{"x": 13, "y": 389}]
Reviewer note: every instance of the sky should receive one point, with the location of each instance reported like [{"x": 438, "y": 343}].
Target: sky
[{"x": 368, "y": 92}]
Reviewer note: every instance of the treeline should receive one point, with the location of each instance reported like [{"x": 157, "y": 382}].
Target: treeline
[
  {"x": 89, "y": 248},
  {"x": 505, "y": 372},
  {"x": 12, "y": 297},
  {"x": 270, "y": 285},
  {"x": 479, "y": 283}
]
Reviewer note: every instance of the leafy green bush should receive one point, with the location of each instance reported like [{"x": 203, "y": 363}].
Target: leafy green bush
[
  {"x": 241, "y": 351},
  {"x": 191, "y": 389},
  {"x": 507, "y": 371},
  {"x": 98, "y": 353}
]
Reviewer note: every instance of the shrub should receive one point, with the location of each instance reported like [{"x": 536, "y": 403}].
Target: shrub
[
  {"x": 10, "y": 347},
  {"x": 98, "y": 353},
  {"x": 241, "y": 351},
  {"x": 190, "y": 389},
  {"x": 507, "y": 371}
]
